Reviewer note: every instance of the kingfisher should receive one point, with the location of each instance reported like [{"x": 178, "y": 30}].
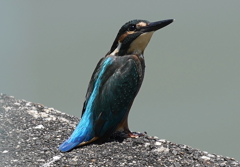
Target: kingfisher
[{"x": 114, "y": 85}]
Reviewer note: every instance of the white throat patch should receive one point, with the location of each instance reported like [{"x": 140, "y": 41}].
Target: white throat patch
[{"x": 140, "y": 43}]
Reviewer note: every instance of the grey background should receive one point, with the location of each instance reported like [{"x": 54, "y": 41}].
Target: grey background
[{"x": 191, "y": 91}]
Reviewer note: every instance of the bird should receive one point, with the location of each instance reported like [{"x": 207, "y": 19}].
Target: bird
[{"x": 114, "y": 85}]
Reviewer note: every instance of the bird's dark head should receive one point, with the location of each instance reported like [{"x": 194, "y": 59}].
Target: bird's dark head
[{"x": 134, "y": 36}]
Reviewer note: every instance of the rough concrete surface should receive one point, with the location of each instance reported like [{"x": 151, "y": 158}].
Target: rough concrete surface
[{"x": 30, "y": 134}]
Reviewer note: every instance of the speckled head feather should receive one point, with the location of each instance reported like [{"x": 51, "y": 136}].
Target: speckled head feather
[{"x": 126, "y": 35}]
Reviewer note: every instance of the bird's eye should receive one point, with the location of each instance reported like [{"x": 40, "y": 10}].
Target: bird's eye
[{"x": 132, "y": 27}]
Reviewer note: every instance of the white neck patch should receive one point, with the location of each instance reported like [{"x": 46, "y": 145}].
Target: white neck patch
[{"x": 117, "y": 49}]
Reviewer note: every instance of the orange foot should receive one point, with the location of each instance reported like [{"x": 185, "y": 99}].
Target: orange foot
[{"x": 133, "y": 134}]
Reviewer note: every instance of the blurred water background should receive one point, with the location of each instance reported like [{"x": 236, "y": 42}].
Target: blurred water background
[{"x": 191, "y": 91}]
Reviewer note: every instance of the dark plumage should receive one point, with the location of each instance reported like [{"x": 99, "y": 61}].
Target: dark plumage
[{"x": 114, "y": 84}]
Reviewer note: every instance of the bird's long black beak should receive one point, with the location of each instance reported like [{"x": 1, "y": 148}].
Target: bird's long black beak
[{"x": 153, "y": 26}]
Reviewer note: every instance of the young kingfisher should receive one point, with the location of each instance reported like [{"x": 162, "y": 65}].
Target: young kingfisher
[{"x": 114, "y": 84}]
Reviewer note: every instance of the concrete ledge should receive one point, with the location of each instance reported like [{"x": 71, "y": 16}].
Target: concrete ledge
[{"x": 31, "y": 133}]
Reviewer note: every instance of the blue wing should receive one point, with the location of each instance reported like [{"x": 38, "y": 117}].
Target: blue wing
[{"x": 112, "y": 89}]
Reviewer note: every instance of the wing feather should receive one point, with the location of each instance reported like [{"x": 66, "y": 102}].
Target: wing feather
[{"x": 115, "y": 98}]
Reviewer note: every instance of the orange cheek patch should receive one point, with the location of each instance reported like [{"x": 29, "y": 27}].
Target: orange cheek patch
[{"x": 122, "y": 37}]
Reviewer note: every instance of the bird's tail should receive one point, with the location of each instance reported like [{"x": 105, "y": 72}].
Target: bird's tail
[
  {"x": 81, "y": 135},
  {"x": 67, "y": 145}
]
